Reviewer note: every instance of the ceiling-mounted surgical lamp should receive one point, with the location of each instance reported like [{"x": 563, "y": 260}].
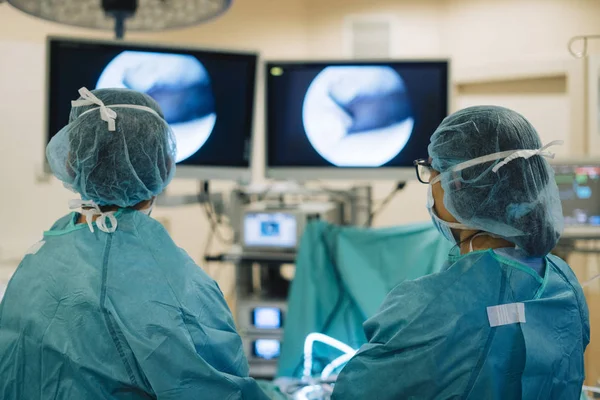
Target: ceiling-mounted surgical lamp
[{"x": 140, "y": 15}]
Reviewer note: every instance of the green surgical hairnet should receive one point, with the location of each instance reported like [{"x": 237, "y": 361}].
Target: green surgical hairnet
[
  {"x": 124, "y": 167},
  {"x": 519, "y": 202}
]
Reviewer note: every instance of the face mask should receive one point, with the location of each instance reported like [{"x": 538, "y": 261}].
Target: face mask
[{"x": 444, "y": 227}]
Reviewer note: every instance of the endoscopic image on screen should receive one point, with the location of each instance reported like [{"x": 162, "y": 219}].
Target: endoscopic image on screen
[
  {"x": 181, "y": 86},
  {"x": 352, "y": 115},
  {"x": 579, "y": 188},
  {"x": 358, "y": 116}
]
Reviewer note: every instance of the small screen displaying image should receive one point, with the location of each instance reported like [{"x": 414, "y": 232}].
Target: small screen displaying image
[
  {"x": 270, "y": 230},
  {"x": 267, "y": 349},
  {"x": 579, "y": 188},
  {"x": 267, "y": 318}
]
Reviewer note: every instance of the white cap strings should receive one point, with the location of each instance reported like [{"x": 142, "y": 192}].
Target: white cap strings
[
  {"x": 106, "y": 112},
  {"x": 90, "y": 209}
]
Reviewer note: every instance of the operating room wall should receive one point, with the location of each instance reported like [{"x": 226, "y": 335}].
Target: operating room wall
[{"x": 473, "y": 32}]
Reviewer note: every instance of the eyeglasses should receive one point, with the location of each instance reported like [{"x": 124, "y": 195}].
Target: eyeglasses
[{"x": 424, "y": 170}]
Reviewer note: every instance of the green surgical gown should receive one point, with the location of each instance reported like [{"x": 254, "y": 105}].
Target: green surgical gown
[
  {"x": 432, "y": 338},
  {"x": 126, "y": 315}
]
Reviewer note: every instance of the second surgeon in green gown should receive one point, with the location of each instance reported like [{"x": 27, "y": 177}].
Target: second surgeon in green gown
[{"x": 504, "y": 319}]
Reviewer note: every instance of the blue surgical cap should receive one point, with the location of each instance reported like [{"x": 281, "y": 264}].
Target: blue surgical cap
[
  {"x": 519, "y": 201},
  {"x": 120, "y": 167}
]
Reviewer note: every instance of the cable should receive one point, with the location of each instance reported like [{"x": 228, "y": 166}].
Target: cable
[
  {"x": 214, "y": 225},
  {"x": 313, "y": 337},
  {"x": 209, "y": 240},
  {"x": 386, "y": 200},
  {"x": 213, "y": 220},
  {"x": 332, "y": 366},
  {"x": 214, "y": 232},
  {"x": 589, "y": 281},
  {"x": 211, "y": 215}
]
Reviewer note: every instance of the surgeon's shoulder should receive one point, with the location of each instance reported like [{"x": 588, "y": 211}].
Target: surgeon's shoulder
[
  {"x": 404, "y": 305},
  {"x": 413, "y": 293},
  {"x": 413, "y": 303},
  {"x": 563, "y": 268},
  {"x": 166, "y": 253},
  {"x": 570, "y": 278},
  {"x": 152, "y": 232},
  {"x": 63, "y": 222}
]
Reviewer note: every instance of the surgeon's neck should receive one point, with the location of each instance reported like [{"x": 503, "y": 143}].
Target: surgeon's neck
[
  {"x": 482, "y": 242},
  {"x": 140, "y": 206}
]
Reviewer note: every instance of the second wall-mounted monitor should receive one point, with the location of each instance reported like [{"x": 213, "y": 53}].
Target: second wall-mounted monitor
[
  {"x": 579, "y": 188},
  {"x": 207, "y": 97},
  {"x": 352, "y": 120}
]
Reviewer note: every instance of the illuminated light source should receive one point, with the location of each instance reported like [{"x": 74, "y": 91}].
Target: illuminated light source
[{"x": 276, "y": 71}]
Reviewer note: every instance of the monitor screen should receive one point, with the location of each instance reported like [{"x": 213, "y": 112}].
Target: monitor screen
[
  {"x": 267, "y": 318},
  {"x": 207, "y": 97},
  {"x": 579, "y": 188},
  {"x": 270, "y": 230},
  {"x": 353, "y": 115},
  {"x": 267, "y": 349}
]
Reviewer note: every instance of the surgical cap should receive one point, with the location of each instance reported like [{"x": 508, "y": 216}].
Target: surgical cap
[
  {"x": 124, "y": 167},
  {"x": 519, "y": 202}
]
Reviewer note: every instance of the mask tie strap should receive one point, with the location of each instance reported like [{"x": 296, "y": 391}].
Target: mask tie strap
[
  {"x": 479, "y": 235},
  {"x": 527, "y": 154},
  {"x": 102, "y": 220},
  {"x": 89, "y": 209}
]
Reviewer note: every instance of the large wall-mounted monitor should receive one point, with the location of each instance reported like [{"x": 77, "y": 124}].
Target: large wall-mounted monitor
[
  {"x": 350, "y": 119},
  {"x": 579, "y": 188},
  {"x": 207, "y": 96}
]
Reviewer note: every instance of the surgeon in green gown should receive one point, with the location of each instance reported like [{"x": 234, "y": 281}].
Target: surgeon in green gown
[
  {"x": 503, "y": 319},
  {"x": 106, "y": 306}
]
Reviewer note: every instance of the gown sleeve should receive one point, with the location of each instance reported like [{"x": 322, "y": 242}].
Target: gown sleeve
[{"x": 394, "y": 363}]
